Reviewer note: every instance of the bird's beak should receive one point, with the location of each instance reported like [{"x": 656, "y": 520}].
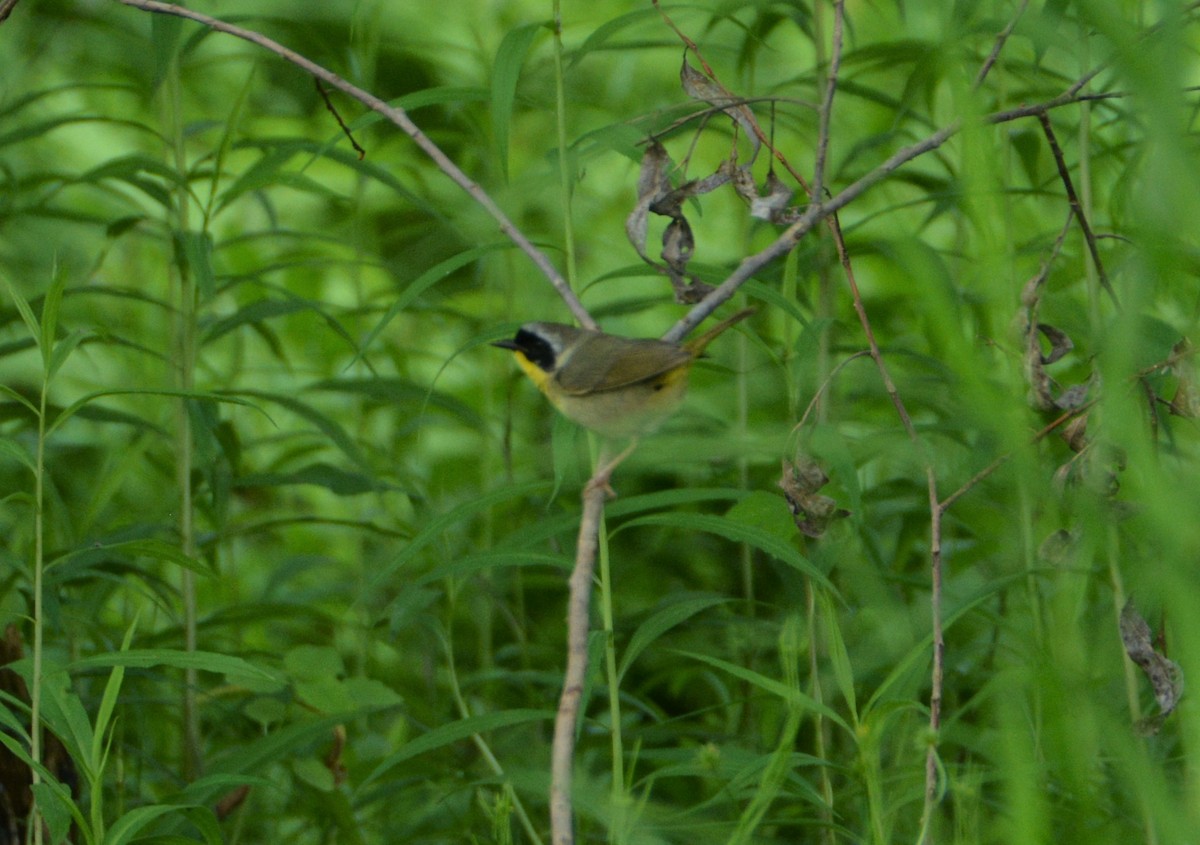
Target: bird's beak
[{"x": 505, "y": 344}]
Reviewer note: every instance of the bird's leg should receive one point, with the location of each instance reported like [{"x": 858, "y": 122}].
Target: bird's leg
[{"x": 606, "y": 466}]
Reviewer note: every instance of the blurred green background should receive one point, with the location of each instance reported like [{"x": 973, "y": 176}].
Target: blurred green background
[{"x": 250, "y": 403}]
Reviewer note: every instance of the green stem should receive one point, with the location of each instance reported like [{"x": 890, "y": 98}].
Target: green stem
[
  {"x": 35, "y": 694},
  {"x": 564, "y": 171},
  {"x": 185, "y": 359},
  {"x": 616, "y": 828}
]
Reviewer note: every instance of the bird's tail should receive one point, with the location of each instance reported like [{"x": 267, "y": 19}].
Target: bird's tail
[{"x": 696, "y": 345}]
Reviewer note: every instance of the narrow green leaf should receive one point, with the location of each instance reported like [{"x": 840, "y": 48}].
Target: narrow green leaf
[
  {"x": 195, "y": 256},
  {"x": 843, "y": 673},
  {"x": 659, "y": 623},
  {"x": 15, "y": 450},
  {"x": 325, "y": 424},
  {"x": 422, "y": 283},
  {"x": 601, "y": 34},
  {"x": 126, "y": 828},
  {"x": 79, "y": 404},
  {"x": 31, "y": 322},
  {"x": 263, "y": 173},
  {"x": 776, "y": 688},
  {"x": 164, "y": 39},
  {"x": 66, "y": 716},
  {"x": 455, "y": 732},
  {"x": 63, "y": 349},
  {"x": 506, "y": 70},
  {"x": 318, "y": 474},
  {"x": 491, "y": 561},
  {"x": 148, "y": 658},
  {"x": 739, "y": 533},
  {"x": 442, "y": 523},
  {"x": 55, "y": 808},
  {"x": 108, "y": 702},
  {"x": 254, "y": 312},
  {"x": 156, "y": 549},
  {"x": 51, "y": 305}
]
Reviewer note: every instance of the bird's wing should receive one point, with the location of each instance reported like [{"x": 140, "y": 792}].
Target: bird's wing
[{"x": 606, "y": 362}]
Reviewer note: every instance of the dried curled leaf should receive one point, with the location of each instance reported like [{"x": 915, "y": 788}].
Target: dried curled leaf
[
  {"x": 656, "y": 196},
  {"x": 1186, "y": 401},
  {"x": 653, "y": 183},
  {"x": 1165, "y": 676},
  {"x": 812, "y": 511},
  {"x": 699, "y": 87}
]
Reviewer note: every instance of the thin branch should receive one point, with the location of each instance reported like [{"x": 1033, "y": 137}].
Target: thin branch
[
  {"x": 980, "y": 476},
  {"x": 835, "y": 63},
  {"x": 1065, "y": 175},
  {"x": 562, "y": 755},
  {"x": 818, "y": 211},
  {"x": 999, "y": 45},
  {"x": 401, "y": 119},
  {"x": 332, "y": 109},
  {"x": 6, "y": 7}
]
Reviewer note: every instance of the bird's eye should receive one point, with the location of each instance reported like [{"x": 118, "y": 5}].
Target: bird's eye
[{"x": 536, "y": 348}]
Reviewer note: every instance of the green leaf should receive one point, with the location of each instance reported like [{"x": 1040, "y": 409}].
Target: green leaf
[
  {"x": 320, "y": 474},
  {"x": 422, "y": 283},
  {"x": 324, "y": 423},
  {"x": 31, "y": 322},
  {"x": 149, "y": 658},
  {"x": 738, "y": 532},
  {"x": 440, "y": 524},
  {"x": 126, "y": 828},
  {"x": 164, "y": 38},
  {"x": 311, "y": 661},
  {"x": 490, "y": 562},
  {"x": 156, "y": 549},
  {"x": 76, "y": 406},
  {"x": 51, "y": 305},
  {"x": 506, "y": 70},
  {"x": 63, "y": 349},
  {"x": 455, "y": 732},
  {"x": 660, "y": 622},
  {"x": 194, "y": 253},
  {"x": 776, "y": 688},
  {"x": 15, "y": 450},
  {"x": 843, "y": 673},
  {"x": 108, "y": 702},
  {"x": 55, "y": 808}
]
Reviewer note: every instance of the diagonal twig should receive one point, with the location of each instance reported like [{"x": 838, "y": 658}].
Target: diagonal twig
[
  {"x": 400, "y": 118},
  {"x": 826, "y": 111},
  {"x": 999, "y": 45},
  {"x": 1065, "y": 175}
]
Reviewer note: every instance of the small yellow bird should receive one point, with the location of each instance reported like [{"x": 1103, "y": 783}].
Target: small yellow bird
[{"x": 615, "y": 386}]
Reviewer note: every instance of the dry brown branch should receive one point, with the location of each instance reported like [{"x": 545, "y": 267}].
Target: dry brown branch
[
  {"x": 999, "y": 45},
  {"x": 562, "y": 756},
  {"x": 1065, "y": 175},
  {"x": 826, "y": 110},
  {"x": 400, "y": 118},
  {"x": 6, "y": 7}
]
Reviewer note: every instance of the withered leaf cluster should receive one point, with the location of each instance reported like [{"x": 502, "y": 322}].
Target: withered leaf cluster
[
  {"x": 657, "y": 195},
  {"x": 812, "y": 511},
  {"x": 1165, "y": 676}
]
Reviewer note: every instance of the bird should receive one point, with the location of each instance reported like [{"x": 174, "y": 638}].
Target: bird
[{"x": 618, "y": 387}]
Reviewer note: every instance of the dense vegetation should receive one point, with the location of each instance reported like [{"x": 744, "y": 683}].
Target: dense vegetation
[{"x": 286, "y": 542}]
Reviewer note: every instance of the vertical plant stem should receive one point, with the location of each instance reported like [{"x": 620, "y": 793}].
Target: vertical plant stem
[
  {"x": 616, "y": 827},
  {"x": 560, "y": 127},
  {"x": 579, "y": 602},
  {"x": 820, "y": 725},
  {"x": 35, "y": 691},
  {"x": 939, "y": 658},
  {"x": 184, "y": 344}
]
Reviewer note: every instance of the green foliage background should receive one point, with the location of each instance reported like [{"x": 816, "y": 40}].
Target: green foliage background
[{"x": 379, "y": 514}]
